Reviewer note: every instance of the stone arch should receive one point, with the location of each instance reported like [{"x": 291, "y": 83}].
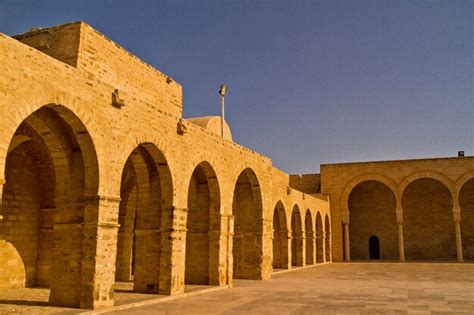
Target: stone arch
[
  {"x": 319, "y": 238},
  {"x": 309, "y": 238},
  {"x": 146, "y": 192},
  {"x": 466, "y": 204},
  {"x": 297, "y": 235},
  {"x": 364, "y": 178},
  {"x": 203, "y": 227},
  {"x": 427, "y": 174},
  {"x": 427, "y": 217},
  {"x": 160, "y": 150},
  {"x": 280, "y": 237},
  {"x": 248, "y": 226},
  {"x": 84, "y": 125},
  {"x": 458, "y": 185},
  {"x": 54, "y": 172},
  {"x": 327, "y": 238},
  {"x": 372, "y": 210}
]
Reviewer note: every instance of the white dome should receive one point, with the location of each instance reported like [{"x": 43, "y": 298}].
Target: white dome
[{"x": 212, "y": 124}]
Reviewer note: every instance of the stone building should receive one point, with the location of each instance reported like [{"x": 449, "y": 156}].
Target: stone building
[
  {"x": 412, "y": 210},
  {"x": 101, "y": 179}
]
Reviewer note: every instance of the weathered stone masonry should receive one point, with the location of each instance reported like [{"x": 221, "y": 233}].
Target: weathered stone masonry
[
  {"x": 411, "y": 210},
  {"x": 101, "y": 179}
]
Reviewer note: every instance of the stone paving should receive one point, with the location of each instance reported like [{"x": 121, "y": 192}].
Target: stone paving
[
  {"x": 35, "y": 300},
  {"x": 338, "y": 288}
]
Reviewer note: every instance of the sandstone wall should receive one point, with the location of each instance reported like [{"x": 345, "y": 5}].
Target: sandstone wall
[
  {"x": 452, "y": 174},
  {"x": 70, "y": 101}
]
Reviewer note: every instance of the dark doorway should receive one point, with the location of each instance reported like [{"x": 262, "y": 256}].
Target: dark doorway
[{"x": 374, "y": 247}]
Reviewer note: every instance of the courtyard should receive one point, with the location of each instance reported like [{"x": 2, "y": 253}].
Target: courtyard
[
  {"x": 340, "y": 288},
  {"x": 337, "y": 288}
]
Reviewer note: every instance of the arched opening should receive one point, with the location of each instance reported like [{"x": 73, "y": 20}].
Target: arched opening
[
  {"x": 51, "y": 172},
  {"x": 466, "y": 201},
  {"x": 319, "y": 239},
  {"x": 374, "y": 247},
  {"x": 327, "y": 238},
  {"x": 296, "y": 238},
  {"x": 248, "y": 226},
  {"x": 428, "y": 221},
  {"x": 372, "y": 212},
  {"x": 310, "y": 241},
  {"x": 146, "y": 189},
  {"x": 280, "y": 238},
  {"x": 203, "y": 213}
]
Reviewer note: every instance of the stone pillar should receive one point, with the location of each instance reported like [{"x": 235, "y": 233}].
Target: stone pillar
[
  {"x": 124, "y": 257},
  {"x": 173, "y": 246},
  {"x": 401, "y": 242},
  {"x": 2, "y": 183},
  {"x": 347, "y": 245},
  {"x": 347, "y": 238},
  {"x": 99, "y": 249},
  {"x": 83, "y": 266},
  {"x": 125, "y": 239},
  {"x": 266, "y": 265},
  {"x": 300, "y": 248},
  {"x": 312, "y": 240},
  {"x": 217, "y": 250},
  {"x": 457, "y": 228},
  {"x": 84, "y": 256},
  {"x": 286, "y": 237},
  {"x": 229, "y": 256},
  {"x": 327, "y": 238},
  {"x": 323, "y": 235},
  {"x": 147, "y": 260}
]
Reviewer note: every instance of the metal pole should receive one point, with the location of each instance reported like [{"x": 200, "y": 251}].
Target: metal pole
[{"x": 222, "y": 116}]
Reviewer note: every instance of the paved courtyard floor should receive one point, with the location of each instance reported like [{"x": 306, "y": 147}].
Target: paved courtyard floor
[{"x": 340, "y": 288}]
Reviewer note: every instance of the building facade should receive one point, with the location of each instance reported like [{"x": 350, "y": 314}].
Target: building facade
[
  {"x": 411, "y": 210},
  {"x": 101, "y": 179}
]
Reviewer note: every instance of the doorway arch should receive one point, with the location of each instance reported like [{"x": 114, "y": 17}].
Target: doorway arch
[{"x": 374, "y": 247}]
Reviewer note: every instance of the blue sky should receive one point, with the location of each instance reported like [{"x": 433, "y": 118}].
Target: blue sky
[{"x": 310, "y": 82}]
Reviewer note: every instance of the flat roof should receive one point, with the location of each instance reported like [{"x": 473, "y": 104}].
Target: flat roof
[{"x": 460, "y": 158}]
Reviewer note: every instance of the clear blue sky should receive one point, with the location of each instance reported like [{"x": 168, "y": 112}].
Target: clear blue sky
[{"x": 310, "y": 82}]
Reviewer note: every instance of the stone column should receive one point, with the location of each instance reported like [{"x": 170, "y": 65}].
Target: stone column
[
  {"x": 230, "y": 262},
  {"x": 347, "y": 239},
  {"x": 147, "y": 257},
  {"x": 328, "y": 238},
  {"x": 286, "y": 238},
  {"x": 457, "y": 228},
  {"x": 312, "y": 239},
  {"x": 173, "y": 246},
  {"x": 217, "y": 250},
  {"x": 2, "y": 183},
  {"x": 125, "y": 240},
  {"x": 266, "y": 265},
  {"x": 323, "y": 236},
  {"x": 300, "y": 248},
  {"x": 401, "y": 242},
  {"x": 347, "y": 245},
  {"x": 99, "y": 249}
]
